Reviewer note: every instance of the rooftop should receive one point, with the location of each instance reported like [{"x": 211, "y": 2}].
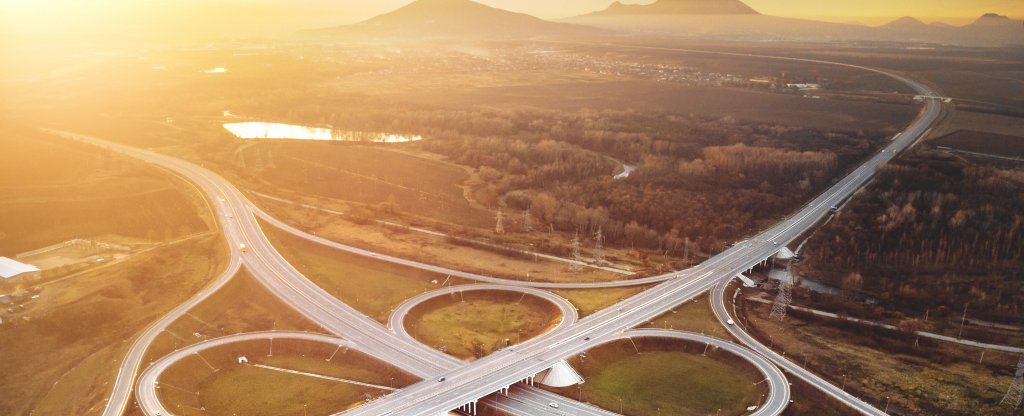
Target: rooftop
[{"x": 10, "y": 268}]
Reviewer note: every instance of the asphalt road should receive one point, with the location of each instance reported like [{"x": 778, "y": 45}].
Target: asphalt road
[
  {"x": 263, "y": 261},
  {"x": 149, "y": 380},
  {"x": 452, "y": 272},
  {"x": 127, "y": 371},
  {"x": 465, "y": 383},
  {"x": 917, "y": 129},
  {"x": 397, "y": 319},
  {"x": 492, "y": 373}
]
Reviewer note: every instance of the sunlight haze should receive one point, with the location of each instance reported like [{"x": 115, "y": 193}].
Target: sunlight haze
[{"x": 254, "y": 17}]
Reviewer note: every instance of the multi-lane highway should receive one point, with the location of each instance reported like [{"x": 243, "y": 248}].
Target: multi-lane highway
[
  {"x": 149, "y": 380},
  {"x": 263, "y": 261},
  {"x": 453, "y": 272},
  {"x": 467, "y": 382},
  {"x": 721, "y": 305},
  {"x": 492, "y": 373}
]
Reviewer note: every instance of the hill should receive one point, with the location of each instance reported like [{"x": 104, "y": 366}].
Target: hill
[
  {"x": 663, "y": 7},
  {"x": 732, "y": 19},
  {"x": 455, "y": 18}
]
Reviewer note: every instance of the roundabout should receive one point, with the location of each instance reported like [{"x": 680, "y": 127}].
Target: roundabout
[{"x": 474, "y": 320}]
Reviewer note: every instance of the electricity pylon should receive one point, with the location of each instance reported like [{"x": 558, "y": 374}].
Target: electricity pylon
[
  {"x": 577, "y": 257},
  {"x": 1015, "y": 394}
]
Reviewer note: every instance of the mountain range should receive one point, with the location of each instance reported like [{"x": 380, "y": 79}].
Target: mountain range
[
  {"x": 725, "y": 19},
  {"x": 456, "y": 18},
  {"x": 678, "y": 7},
  {"x": 735, "y": 20}
]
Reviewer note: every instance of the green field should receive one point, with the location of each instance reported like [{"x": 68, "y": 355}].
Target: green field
[
  {"x": 249, "y": 390},
  {"x": 694, "y": 316},
  {"x": 922, "y": 377},
  {"x": 57, "y": 354},
  {"x": 983, "y": 142},
  {"x": 242, "y": 305},
  {"x": 477, "y": 323},
  {"x": 369, "y": 175},
  {"x": 53, "y": 190},
  {"x": 372, "y": 286},
  {"x": 588, "y": 301},
  {"x": 668, "y": 377}
]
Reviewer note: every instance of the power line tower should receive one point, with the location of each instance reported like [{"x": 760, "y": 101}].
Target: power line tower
[
  {"x": 270, "y": 159},
  {"x": 240, "y": 159},
  {"x": 1015, "y": 394},
  {"x": 577, "y": 257},
  {"x": 527, "y": 221},
  {"x": 500, "y": 227},
  {"x": 599, "y": 246},
  {"x": 258, "y": 164},
  {"x": 784, "y": 298}
]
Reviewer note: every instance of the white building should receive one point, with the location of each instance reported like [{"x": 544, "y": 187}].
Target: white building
[{"x": 12, "y": 271}]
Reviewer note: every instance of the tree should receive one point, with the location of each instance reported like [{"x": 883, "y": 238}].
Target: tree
[
  {"x": 853, "y": 282},
  {"x": 910, "y": 326}
]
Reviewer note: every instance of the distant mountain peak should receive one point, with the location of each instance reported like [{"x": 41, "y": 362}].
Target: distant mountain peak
[
  {"x": 994, "y": 16},
  {"x": 994, "y": 20},
  {"x": 905, "y": 22},
  {"x": 908, "y": 19},
  {"x": 460, "y": 18},
  {"x": 668, "y": 7}
]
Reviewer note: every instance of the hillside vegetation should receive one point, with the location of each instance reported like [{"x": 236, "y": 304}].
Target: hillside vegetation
[{"x": 933, "y": 231}]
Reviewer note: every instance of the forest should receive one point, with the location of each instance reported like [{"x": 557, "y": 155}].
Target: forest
[
  {"x": 934, "y": 231},
  {"x": 706, "y": 180}
]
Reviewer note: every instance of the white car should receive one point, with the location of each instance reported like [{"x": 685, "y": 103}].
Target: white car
[
  {"x": 731, "y": 322},
  {"x": 553, "y": 405}
]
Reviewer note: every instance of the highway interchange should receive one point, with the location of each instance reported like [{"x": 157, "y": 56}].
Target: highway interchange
[{"x": 468, "y": 382}]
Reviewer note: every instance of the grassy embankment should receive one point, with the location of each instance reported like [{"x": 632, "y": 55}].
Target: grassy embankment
[
  {"x": 930, "y": 377},
  {"x": 694, "y": 316},
  {"x": 59, "y": 359},
  {"x": 475, "y": 324},
  {"x": 242, "y": 305},
  {"x": 193, "y": 384},
  {"x": 667, "y": 377},
  {"x": 368, "y": 183},
  {"x": 372, "y": 286},
  {"x": 588, "y": 301}
]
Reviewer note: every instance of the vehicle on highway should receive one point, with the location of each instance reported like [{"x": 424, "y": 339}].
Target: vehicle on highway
[
  {"x": 553, "y": 405},
  {"x": 243, "y": 248},
  {"x": 731, "y": 322},
  {"x": 440, "y": 379}
]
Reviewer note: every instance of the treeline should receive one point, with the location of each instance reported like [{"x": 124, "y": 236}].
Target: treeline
[
  {"x": 934, "y": 231},
  {"x": 705, "y": 179}
]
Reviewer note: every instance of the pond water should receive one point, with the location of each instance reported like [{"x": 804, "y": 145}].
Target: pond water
[{"x": 264, "y": 130}]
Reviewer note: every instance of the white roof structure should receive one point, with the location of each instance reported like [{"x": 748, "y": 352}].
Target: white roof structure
[
  {"x": 10, "y": 268},
  {"x": 561, "y": 375},
  {"x": 746, "y": 280},
  {"x": 785, "y": 254}
]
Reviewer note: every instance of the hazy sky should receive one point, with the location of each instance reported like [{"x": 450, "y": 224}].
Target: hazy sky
[{"x": 43, "y": 16}]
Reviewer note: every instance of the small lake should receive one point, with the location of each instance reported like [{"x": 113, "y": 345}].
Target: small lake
[{"x": 263, "y": 130}]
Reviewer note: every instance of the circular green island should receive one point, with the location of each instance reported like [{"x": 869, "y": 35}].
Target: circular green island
[
  {"x": 297, "y": 379},
  {"x": 473, "y": 324},
  {"x": 652, "y": 376}
]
